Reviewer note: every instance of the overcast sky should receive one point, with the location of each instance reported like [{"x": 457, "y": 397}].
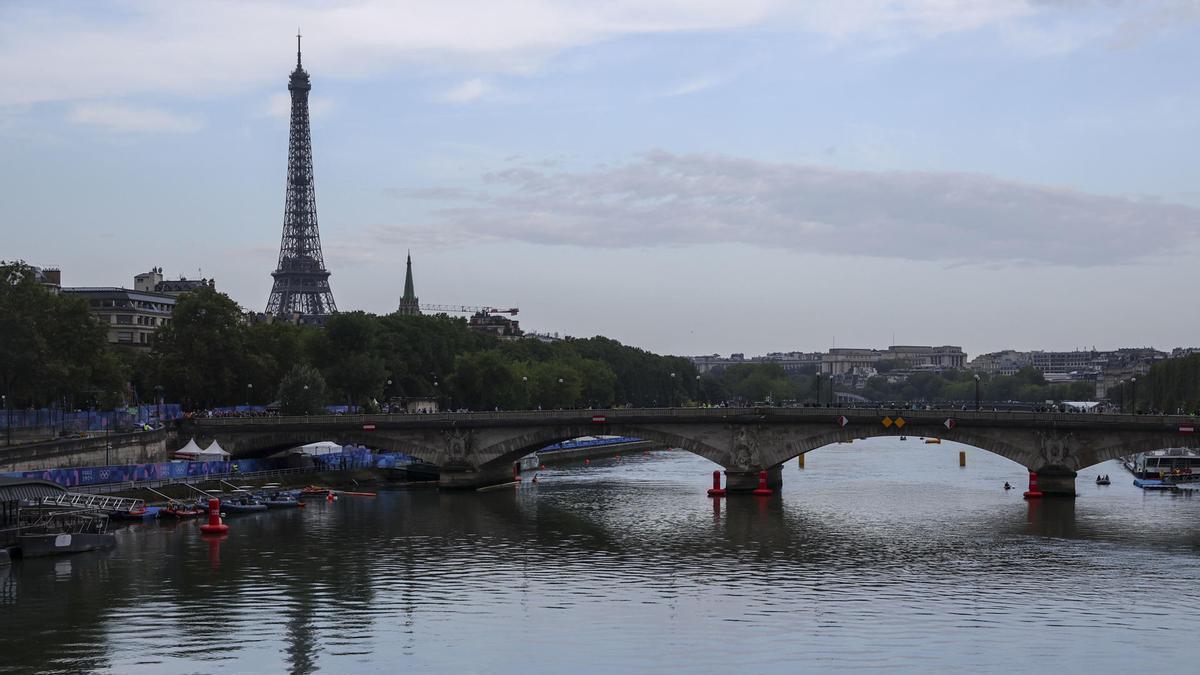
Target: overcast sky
[{"x": 688, "y": 176}]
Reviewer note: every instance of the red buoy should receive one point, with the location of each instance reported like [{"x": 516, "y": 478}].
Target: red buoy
[
  {"x": 1033, "y": 492},
  {"x": 762, "y": 490},
  {"x": 716, "y": 490},
  {"x": 214, "y": 524},
  {"x": 587, "y": 462},
  {"x": 329, "y": 496}
]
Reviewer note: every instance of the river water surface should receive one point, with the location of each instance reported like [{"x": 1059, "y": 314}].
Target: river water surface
[{"x": 879, "y": 555}]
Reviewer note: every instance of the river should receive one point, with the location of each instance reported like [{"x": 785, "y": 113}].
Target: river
[{"x": 879, "y": 555}]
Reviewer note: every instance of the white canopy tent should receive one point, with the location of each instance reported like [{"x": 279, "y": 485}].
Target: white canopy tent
[
  {"x": 194, "y": 453},
  {"x": 319, "y": 448}
]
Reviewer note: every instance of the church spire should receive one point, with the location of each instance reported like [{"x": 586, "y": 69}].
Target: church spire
[{"x": 409, "y": 306}]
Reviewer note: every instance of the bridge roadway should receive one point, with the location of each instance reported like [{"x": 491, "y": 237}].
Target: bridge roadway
[{"x": 478, "y": 448}]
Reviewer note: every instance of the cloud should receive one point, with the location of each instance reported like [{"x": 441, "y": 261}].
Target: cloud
[
  {"x": 668, "y": 199},
  {"x": 121, "y": 118},
  {"x": 194, "y": 48},
  {"x": 468, "y": 91}
]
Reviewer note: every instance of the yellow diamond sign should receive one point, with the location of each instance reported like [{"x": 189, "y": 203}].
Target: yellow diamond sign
[
  {"x": 900, "y": 422},
  {"x": 887, "y": 422}
]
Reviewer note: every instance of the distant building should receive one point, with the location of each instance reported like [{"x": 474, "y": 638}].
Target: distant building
[
  {"x": 1007, "y": 362},
  {"x": 409, "y": 305},
  {"x": 495, "y": 324},
  {"x": 153, "y": 282},
  {"x": 841, "y": 362},
  {"x": 132, "y": 316}
]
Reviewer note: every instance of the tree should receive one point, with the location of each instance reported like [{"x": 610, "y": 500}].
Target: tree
[
  {"x": 50, "y": 346},
  {"x": 201, "y": 354},
  {"x": 302, "y": 391}
]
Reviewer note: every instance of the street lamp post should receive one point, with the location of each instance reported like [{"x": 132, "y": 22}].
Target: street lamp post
[
  {"x": 387, "y": 395},
  {"x": 249, "y": 391},
  {"x": 698, "y": 391},
  {"x": 525, "y": 386},
  {"x": 1133, "y": 395},
  {"x": 7, "y": 421},
  {"x": 671, "y": 398},
  {"x": 818, "y": 389},
  {"x": 976, "y": 392}
]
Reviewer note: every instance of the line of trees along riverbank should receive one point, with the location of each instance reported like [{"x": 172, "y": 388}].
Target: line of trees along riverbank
[{"x": 52, "y": 353}]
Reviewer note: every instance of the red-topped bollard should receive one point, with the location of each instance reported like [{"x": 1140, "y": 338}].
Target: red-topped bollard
[
  {"x": 762, "y": 490},
  {"x": 716, "y": 490},
  {"x": 1033, "y": 492},
  {"x": 214, "y": 524}
]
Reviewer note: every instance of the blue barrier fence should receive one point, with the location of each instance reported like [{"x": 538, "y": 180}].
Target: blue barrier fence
[
  {"x": 90, "y": 420},
  {"x": 351, "y": 457},
  {"x": 591, "y": 442}
]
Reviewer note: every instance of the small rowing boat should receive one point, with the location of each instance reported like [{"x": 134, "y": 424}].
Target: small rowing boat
[{"x": 180, "y": 511}]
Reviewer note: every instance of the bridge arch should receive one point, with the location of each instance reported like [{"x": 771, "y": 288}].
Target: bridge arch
[
  {"x": 809, "y": 442},
  {"x": 534, "y": 439}
]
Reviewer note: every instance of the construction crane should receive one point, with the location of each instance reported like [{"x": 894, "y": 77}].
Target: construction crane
[{"x": 467, "y": 309}]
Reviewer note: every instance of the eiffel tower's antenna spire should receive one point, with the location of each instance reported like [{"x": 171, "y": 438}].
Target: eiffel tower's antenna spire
[{"x": 297, "y": 47}]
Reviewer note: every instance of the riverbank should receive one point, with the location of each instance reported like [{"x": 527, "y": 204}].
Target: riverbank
[{"x": 353, "y": 479}]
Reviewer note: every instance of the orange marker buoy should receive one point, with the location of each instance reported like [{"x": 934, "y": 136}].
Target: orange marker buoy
[
  {"x": 716, "y": 490},
  {"x": 1033, "y": 492},
  {"x": 214, "y": 524},
  {"x": 762, "y": 490}
]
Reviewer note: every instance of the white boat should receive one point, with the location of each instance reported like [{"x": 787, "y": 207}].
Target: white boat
[{"x": 1170, "y": 465}]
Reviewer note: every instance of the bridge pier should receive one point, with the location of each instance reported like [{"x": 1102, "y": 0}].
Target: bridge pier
[
  {"x": 470, "y": 479},
  {"x": 746, "y": 481},
  {"x": 1056, "y": 482}
]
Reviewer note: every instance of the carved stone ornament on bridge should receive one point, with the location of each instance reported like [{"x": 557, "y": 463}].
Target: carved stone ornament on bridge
[
  {"x": 1059, "y": 449},
  {"x": 744, "y": 448},
  {"x": 458, "y": 448}
]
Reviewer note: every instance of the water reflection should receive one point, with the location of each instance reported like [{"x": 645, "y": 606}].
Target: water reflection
[{"x": 874, "y": 556}]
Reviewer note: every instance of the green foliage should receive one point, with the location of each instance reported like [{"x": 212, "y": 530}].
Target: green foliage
[
  {"x": 302, "y": 391},
  {"x": 1170, "y": 386},
  {"x": 1028, "y": 385},
  {"x": 50, "y": 347},
  {"x": 202, "y": 356}
]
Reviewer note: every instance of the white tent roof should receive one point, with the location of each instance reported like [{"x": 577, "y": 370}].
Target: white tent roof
[
  {"x": 318, "y": 448},
  {"x": 190, "y": 449},
  {"x": 215, "y": 449}
]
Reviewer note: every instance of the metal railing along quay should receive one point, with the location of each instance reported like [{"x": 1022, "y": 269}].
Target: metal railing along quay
[{"x": 105, "y": 488}]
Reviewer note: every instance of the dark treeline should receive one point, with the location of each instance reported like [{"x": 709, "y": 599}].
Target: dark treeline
[
  {"x": 1028, "y": 385},
  {"x": 53, "y": 353},
  {"x": 1170, "y": 386},
  {"x": 752, "y": 382}
]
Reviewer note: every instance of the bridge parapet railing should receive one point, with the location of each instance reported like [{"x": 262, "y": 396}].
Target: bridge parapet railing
[{"x": 633, "y": 415}]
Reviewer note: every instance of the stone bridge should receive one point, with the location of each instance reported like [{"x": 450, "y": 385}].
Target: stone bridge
[{"x": 475, "y": 449}]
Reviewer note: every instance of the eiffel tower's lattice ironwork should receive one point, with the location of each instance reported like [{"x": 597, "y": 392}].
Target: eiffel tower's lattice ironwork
[{"x": 301, "y": 280}]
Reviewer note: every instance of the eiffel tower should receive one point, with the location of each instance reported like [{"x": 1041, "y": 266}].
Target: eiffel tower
[{"x": 301, "y": 280}]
